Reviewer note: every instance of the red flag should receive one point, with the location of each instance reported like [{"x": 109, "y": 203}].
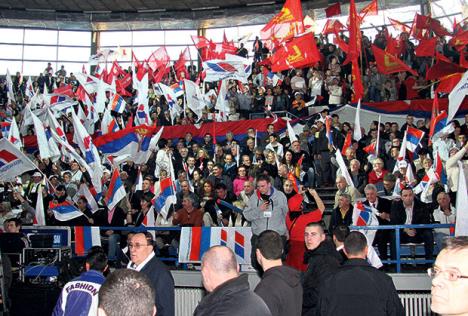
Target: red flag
[
  {"x": 448, "y": 82},
  {"x": 287, "y": 23},
  {"x": 65, "y": 90},
  {"x": 395, "y": 46},
  {"x": 347, "y": 142},
  {"x": 184, "y": 57},
  {"x": 434, "y": 113},
  {"x": 337, "y": 40},
  {"x": 461, "y": 39},
  {"x": 397, "y": 25},
  {"x": 135, "y": 61},
  {"x": 370, "y": 9},
  {"x": 442, "y": 69},
  {"x": 200, "y": 41},
  {"x": 332, "y": 10},
  {"x": 297, "y": 53},
  {"x": 159, "y": 58},
  {"x": 419, "y": 29},
  {"x": 354, "y": 34},
  {"x": 463, "y": 62},
  {"x": 426, "y": 47},
  {"x": 357, "y": 81},
  {"x": 80, "y": 93},
  {"x": 370, "y": 149},
  {"x": 333, "y": 26},
  {"x": 388, "y": 64}
]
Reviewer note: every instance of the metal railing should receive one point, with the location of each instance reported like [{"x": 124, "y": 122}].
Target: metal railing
[{"x": 398, "y": 261}]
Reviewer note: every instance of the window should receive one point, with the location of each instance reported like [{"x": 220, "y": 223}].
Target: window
[
  {"x": 148, "y": 38},
  {"x": 46, "y": 53},
  {"x": 46, "y": 37},
  {"x": 11, "y": 35},
  {"x": 114, "y": 39},
  {"x": 179, "y": 37},
  {"x": 74, "y": 38},
  {"x": 11, "y": 51}
]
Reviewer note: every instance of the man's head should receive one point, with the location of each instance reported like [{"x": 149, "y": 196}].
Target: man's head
[
  {"x": 389, "y": 181},
  {"x": 96, "y": 259},
  {"x": 407, "y": 196},
  {"x": 269, "y": 248},
  {"x": 355, "y": 245},
  {"x": 263, "y": 184},
  {"x": 371, "y": 192},
  {"x": 314, "y": 235},
  {"x": 141, "y": 246},
  {"x": 13, "y": 225},
  {"x": 339, "y": 234},
  {"x": 188, "y": 202},
  {"x": 443, "y": 199},
  {"x": 248, "y": 187},
  {"x": 218, "y": 266},
  {"x": 218, "y": 170},
  {"x": 341, "y": 183},
  {"x": 344, "y": 200},
  {"x": 450, "y": 278},
  {"x": 126, "y": 292}
]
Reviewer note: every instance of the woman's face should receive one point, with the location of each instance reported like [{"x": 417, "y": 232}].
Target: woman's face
[
  {"x": 287, "y": 187},
  {"x": 196, "y": 175},
  {"x": 207, "y": 188},
  {"x": 288, "y": 156},
  {"x": 201, "y": 153}
]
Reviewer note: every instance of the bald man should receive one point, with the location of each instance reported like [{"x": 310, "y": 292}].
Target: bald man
[{"x": 230, "y": 292}]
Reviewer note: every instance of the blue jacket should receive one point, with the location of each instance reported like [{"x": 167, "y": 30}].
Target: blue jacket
[{"x": 79, "y": 297}]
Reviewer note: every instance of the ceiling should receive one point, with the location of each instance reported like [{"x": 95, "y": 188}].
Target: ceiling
[{"x": 146, "y": 14}]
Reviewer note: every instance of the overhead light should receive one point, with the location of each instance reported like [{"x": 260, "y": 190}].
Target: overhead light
[
  {"x": 204, "y": 8},
  {"x": 97, "y": 12},
  {"x": 260, "y": 3},
  {"x": 39, "y": 10},
  {"x": 151, "y": 10}
]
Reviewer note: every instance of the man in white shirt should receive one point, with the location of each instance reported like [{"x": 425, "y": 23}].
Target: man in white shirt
[{"x": 444, "y": 214}]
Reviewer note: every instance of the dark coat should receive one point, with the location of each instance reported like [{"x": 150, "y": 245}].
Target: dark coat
[
  {"x": 163, "y": 284},
  {"x": 383, "y": 205},
  {"x": 232, "y": 298},
  {"x": 322, "y": 262},
  {"x": 421, "y": 213},
  {"x": 281, "y": 290},
  {"x": 359, "y": 289}
]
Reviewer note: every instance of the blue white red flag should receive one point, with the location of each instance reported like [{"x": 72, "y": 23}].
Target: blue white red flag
[
  {"x": 224, "y": 69},
  {"x": 195, "y": 241},
  {"x": 108, "y": 123},
  {"x": 117, "y": 104},
  {"x": 116, "y": 191},
  {"x": 164, "y": 197},
  {"x": 365, "y": 215},
  {"x": 438, "y": 124},
  {"x": 64, "y": 211},
  {"x": 178, "y": 88},
  {"x": 12, "y": 161},
  {"x": 413, "y": 138},
  {"x": 85, "y": 238}
]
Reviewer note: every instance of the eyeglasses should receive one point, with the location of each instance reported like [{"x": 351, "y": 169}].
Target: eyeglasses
[
  {"x": 136, "y": 246},
  {"x": 451, "y": 275}
]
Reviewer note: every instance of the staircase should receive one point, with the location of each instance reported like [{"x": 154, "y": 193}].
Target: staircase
[{"x": 327, "y": 195}]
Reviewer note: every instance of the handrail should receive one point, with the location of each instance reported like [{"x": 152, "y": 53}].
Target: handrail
[{"x": 397, "y": 229}]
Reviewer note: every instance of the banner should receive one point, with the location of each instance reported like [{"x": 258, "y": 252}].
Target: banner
[{"x": 195, "y": 241}]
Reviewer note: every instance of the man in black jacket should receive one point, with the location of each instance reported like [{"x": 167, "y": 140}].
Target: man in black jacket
[
  {"x": 230, "y": 293},
  {"x": 280, "y": 286},
  {"x": 323, "y": 260},
  {"x": 357, "y": 288},
  {"x": 410, "y": 210},
  {"x": 144, "y": 260}
]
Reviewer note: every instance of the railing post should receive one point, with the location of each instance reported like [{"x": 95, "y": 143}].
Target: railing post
[{"x": 397, "y": 246}]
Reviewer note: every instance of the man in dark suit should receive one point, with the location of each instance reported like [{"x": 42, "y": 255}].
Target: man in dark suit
[
  {"x": 407, "y": 211},
  {"x": 383, "y": 236},
  {"x": 144, "y": 259}
]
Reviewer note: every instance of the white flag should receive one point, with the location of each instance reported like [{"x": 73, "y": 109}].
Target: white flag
[
  {"x": 84, "y": 191},
  {"x": 461, "y": 225},
  {"x": 14, "y": 134},
  {"x": 344, "y": 170},
  {"x": 456, "y": 96},
  {"x": 222, "y": 104},
  {"x": 12, "y": 161},
  {"x": 195, "y": 99},
  {"x": 357, "y": 135},
  {"x": 291, "y": 133},
  {"x": 9, "y": 82},
  {"x": 42, "y": 142},
  {"x": 40, "y": 214}
]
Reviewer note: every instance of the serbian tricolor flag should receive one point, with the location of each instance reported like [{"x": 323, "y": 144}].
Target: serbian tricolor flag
[
  {"x": 164, "y": 196},
  {"x": 365, "y": 215},
  {"x": 116, "y": 190},
  {"x": 85, "y": 238},
  {"x": 438, "y": 124},
  {"x": 119, "y": 143},
  {"x": 64, "y": 211},
  {"x": 117, "y": 104},
  {"x": 413, "y": 138},
  {"x": 328, "y": 130}
]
